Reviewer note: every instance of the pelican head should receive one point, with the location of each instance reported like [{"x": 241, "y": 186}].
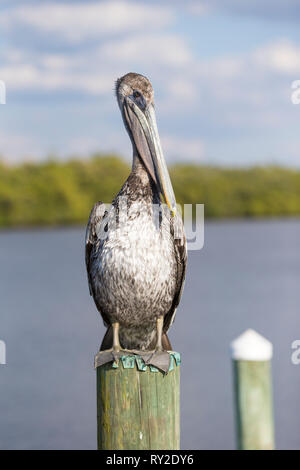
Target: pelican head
[{"x": 136, "y": 101}]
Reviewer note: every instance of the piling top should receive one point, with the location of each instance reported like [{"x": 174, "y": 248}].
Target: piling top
[
  {"x": 251, "y": 346},
  {"x": 165, "y": 361}
]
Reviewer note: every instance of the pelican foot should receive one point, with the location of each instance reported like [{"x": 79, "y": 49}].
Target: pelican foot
[
  {"x": 157, "y": 358},
  {"x": 160, "y": 359},
  {"x": 109, "y": 355}
]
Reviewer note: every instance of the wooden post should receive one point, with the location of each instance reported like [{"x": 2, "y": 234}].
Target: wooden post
[
  {"x": 251, "y": 355},
  {"x": 138, "y": 405}
]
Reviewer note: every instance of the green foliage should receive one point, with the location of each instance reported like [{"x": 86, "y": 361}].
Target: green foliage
[
  {"x": 235, "y": 192},
  {"x": 63, "y": 193}
]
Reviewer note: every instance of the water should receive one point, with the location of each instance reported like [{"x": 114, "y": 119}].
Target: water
[{"x": 247, "y": 275}]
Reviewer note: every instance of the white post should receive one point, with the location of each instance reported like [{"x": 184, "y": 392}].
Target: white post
[{"x": 251, "y": 356}]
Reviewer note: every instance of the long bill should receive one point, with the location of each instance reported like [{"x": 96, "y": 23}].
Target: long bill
[{"x": 144, "y": 130}]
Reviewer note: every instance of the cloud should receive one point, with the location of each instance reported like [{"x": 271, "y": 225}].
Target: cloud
[
  {"x": 233, "y": 92},
  {"x": 85, "y": 46},
  {"x": 12, "y": 148},
  {"x": 194, "y": 7},
  {"x": 78, "y": 22},
  {"x": 33, "y": 77},
  {"x": 164, "y": 56},
  {"x": 233, "y": 100},
  {"x": 162, "y": 49},
  {"x": 112, "y": 142},
  {"x": 188, "y": 149},
  {"x": 95, "y": 71},
  {"x": 279, "y": 10},
  {"x": 119, "y": 16},
  {"x": 282, "y": 57},
  {"x": 36, "y": 71}
]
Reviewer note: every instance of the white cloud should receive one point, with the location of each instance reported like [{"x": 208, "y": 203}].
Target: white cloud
[
  {"x": 12, "y": 148},
  {"x": 279, "y": 57},
  {"x": 238, "y": 93},
  {"x": 246, "y": 89},
  {"x": 95, "y": 71},
  {"x": 31, "y": 77},
  {"x": 23, "y": 70},
  {"x": 282, "y": 56},
  {"x": 247, "y": 80},
  {"x": 182, "y": 88},
  {"x": 159, "y": 49},
  {"x": 225, "y": 67},
  {"x": 189, "y": 149},
  {"x": 197, "y": 8},
  {"x": 112, "y": 142},
  {"x": 78, "y": 22}
]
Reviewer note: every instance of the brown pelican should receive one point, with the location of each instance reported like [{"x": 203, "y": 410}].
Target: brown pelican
[{"x": 136, "y": 250}]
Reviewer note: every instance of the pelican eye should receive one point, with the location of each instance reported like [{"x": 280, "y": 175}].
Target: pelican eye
[{"x": 139, "y": 99}]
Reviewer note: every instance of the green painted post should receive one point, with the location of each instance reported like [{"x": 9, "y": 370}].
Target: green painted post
[
  {"x": 251, "y": 356},
  {"x": 137, "y": 405}
]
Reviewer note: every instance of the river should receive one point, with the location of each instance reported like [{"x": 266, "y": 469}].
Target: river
[{"x": 246, "y": 276}]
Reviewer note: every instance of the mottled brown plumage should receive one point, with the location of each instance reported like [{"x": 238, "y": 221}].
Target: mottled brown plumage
[{"x": 136, "y": 257}]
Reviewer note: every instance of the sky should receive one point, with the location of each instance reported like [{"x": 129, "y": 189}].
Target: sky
[{"x": 222, "y": 73}]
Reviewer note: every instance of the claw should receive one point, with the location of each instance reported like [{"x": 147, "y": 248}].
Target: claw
[{"x": 116, "y": 355}]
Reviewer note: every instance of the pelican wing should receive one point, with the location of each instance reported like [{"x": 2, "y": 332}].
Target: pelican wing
[
  {"x": 177, "y": 232},
  {"x": 93, "y": 231}
]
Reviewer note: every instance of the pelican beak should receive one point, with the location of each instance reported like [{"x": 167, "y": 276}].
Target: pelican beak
[{"x": 143, "y": 127}]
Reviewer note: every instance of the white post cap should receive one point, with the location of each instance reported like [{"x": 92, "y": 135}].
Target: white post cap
[{"x": 251, "y": 346}]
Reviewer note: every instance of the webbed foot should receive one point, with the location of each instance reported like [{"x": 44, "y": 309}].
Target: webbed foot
[
  {"x": 109, "y": 355},
  {"x": 160, "y": 359}
]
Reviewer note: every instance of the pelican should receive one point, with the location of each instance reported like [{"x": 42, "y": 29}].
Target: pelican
[{"x": 135, "y": 250}]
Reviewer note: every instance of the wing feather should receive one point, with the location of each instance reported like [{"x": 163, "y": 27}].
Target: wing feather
[
  {"x": 177, "y": 232},
  {"x": 93, "y": 230}
]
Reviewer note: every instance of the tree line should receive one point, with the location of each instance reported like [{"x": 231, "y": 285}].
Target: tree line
[{"x": 57, "y": 192}]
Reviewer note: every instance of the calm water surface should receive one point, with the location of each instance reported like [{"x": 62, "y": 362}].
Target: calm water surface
[{"x": 247, "y": 275}]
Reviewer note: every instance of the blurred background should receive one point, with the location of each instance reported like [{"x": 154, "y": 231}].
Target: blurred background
[{"x": 222, "y": 72}]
